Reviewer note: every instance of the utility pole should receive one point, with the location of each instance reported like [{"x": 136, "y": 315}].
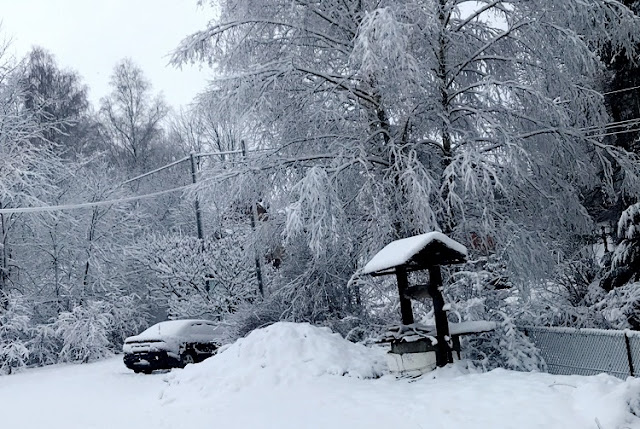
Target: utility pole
[
  {"x": 254, "y": 221},
  {"x": 192, "y": 156}
]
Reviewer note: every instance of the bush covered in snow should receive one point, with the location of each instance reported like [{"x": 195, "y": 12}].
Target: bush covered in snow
[
  {"x": 44, "y": 345},
  {"x": 621, "y": 307},
  {"x": 251, "y": 316},
  {"x": 625, "y": 262},
  {"x": 14, "y": 334},
  {"x": 128, "y": 315},
  {"x": 196, "y": 278},
  {"x": 85, "y": 331},
  {"x": 595, "y": 290},
  {"x": 91, "y": 330},
  {"x": 482, "y": 290}
]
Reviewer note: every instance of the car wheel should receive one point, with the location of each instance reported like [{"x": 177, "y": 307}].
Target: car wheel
[{"x": 186, "y": 359}]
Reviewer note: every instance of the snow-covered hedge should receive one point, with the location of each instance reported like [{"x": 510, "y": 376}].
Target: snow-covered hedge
[{"x": 14, "y": 335}]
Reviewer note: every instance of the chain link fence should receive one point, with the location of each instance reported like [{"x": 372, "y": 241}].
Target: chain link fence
[{"x": 587, "y": 351}]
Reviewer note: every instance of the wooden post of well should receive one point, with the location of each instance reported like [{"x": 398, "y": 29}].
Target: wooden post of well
[
  {"x": 405, "y": 303},
  {"x": 443, "y": 351}
]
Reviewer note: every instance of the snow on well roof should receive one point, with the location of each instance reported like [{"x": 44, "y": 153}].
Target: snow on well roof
[{"x": 400, "y": 252}]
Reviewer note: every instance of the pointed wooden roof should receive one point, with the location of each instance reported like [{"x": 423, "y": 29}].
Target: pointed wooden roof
[{"x": 416, "y": 253}]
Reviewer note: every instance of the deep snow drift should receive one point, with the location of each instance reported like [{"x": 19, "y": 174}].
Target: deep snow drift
[
  {"x": 284, "y": 352},
  {"x": 298, "y": 376}
]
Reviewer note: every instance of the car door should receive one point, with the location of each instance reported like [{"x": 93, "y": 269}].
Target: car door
[{"x": 203, "y": 341}]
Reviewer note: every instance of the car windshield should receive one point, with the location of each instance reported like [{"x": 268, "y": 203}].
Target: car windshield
[{"x": 166, "y": 329}]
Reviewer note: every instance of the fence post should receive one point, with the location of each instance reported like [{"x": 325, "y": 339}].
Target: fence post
[{"x": 629, "y": 357}]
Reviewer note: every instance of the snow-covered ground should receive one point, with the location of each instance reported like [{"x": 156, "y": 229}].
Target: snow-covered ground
[{"x": 298, "y": 376}]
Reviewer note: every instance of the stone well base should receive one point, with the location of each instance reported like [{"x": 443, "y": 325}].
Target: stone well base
[{"x": 411, "y": 363}]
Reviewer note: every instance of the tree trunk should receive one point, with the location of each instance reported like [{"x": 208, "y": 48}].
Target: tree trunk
[
  {"x": 4, "y": 263},
  {"x": 448, "y": 223}
]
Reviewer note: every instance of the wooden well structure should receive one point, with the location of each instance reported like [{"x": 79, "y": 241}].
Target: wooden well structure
[{"x": 422, "y": 252}]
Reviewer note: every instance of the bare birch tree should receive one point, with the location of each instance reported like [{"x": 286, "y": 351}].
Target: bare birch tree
[{"x": 131, "y": 115}]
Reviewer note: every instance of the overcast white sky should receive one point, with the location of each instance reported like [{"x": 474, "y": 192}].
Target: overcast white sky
[{"x": 90, "y": 36}]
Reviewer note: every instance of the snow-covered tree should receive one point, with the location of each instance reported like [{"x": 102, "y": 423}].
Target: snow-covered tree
[
  {"x": 621, "y": 305},
  {"x": 392, "y": 118},
  {"x": 58, "y": 98},
  {"x": 14, "y": 335},
  {"x": 627, "y": 254},
  {"x": 85, "y": 331},
  {"x": 194, "y": 278},
  {"x": 624, "y": 263},
  {"x": 28, "y": 165},
  {"x": 131, "y": 116}
]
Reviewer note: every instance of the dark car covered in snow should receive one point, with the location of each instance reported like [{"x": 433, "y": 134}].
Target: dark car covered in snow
[{"x": 171, "y": 344}]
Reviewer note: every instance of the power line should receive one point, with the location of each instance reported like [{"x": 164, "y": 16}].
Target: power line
[
  {"x": 632, "y": 130},
  {"x": 617, "y": 91},
  {"x": 229, "y": 152},
  {"x": 118, "y": 200},
  {"x": 181, "y": 160},
  {"x": 92, "y": 204},
  {"x": 628, "y": 123},
  {"x": 154, "y": 171}
]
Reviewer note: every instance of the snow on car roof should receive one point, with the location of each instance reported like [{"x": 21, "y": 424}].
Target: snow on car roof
[
  {"x": 171, "y": 328},
  {"x": 401, "y": 251}
]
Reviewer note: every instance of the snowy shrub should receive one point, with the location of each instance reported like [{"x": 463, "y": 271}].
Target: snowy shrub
[
  {"x": 506, "y": 347},
  {"x": 569, "y": 298},
  {"x": 315, "y": 290},
  {"x": 195, "y": 278},
  {"x": 13, "y": 354},
  {"x": 621, "y": 307},
  {"x": 14, "y": 332},
  {"x": 254, "y": 316},
  {"x": 44, "y": 345},
  {"x": 194, "y": 306},
  {"x": 515, "y": 349},
  {"x": 625, "y": 262},
  {"x": 85, "y": 331},
  {"x": 356, "y": 329},
  {"x": 576, "y": 278},
  {"x": 483, "y": 291},
  {"x": 129, "y": 317}
]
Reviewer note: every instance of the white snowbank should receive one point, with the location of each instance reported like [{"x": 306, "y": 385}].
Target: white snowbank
[
  {"x": 282, "y": 353},
  {"x": 401, "y": 251},
  {"x": 293, "y": 386}
]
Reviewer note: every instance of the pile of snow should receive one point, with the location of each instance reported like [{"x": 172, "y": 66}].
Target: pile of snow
[
  {"x": 293, "y": 372},
  {"x": 282, "y": 353}
]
